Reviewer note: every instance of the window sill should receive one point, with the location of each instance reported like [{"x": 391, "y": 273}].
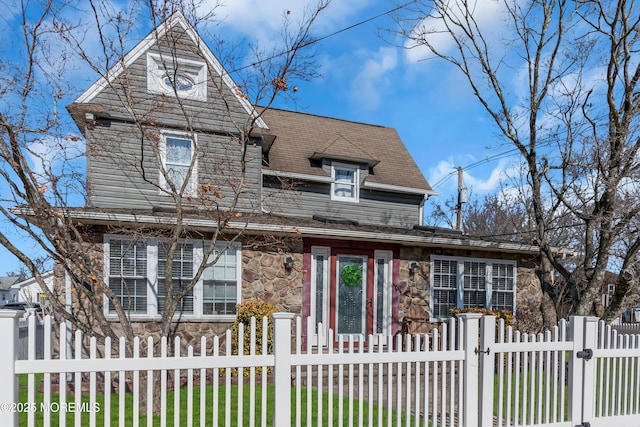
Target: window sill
[{"x": 340, "y": 199}]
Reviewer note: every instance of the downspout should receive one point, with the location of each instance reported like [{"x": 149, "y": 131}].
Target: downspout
[{"x": 421, "y": 210}]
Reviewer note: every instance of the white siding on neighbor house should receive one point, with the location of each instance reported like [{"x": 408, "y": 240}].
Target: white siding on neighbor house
[{"x": 29, "y": 290}]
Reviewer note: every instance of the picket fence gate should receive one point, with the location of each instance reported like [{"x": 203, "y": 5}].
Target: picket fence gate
[{"x": 471, "y": 372}]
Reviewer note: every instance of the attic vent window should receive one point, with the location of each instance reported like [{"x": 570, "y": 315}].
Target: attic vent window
[
  {"x": 180, "y": 83},
  {"x": 176, "y": 77}
]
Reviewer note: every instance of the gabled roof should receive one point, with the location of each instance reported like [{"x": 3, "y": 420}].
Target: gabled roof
[
  {"x": 301, "y": 137},
  {"x": 175, "y": 20},
  {"x": 7, "y": 281}
]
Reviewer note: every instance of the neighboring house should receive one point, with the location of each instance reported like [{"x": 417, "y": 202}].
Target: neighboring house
[
  {"x": 7, "y": 293},
  {"x": 29, "y": 290},
  {"x": 347, "y": 197}
]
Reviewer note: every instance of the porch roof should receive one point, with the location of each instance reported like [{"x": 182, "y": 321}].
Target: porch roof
[{"x": 325, "y": 228}]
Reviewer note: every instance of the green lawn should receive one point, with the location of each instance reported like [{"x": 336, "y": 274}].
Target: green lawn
[{"x": 367, "y": 410}]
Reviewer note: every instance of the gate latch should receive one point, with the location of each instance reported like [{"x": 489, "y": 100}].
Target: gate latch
[
  {"x": 585, "y": 354},
  {"x": 478, "y": 351}
]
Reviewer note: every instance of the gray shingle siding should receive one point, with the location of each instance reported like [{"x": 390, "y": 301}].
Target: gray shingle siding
[
  {"x": 375, "y": 207},
  {"x": 117, "y": 163}
]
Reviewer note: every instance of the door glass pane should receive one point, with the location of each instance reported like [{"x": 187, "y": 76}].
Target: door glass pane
[
  {"x": 351, "y": 304},
  {"x": 319, "y": 285},
  {"x": 381, "y": 273}
]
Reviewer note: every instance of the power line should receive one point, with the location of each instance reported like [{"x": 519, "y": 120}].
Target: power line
[
  {"x": 314, "y": 41},
  {"x": 484, "y": 160}
]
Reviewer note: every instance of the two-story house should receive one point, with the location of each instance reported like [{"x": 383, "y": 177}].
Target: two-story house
[{"x": 325, "y": 215}]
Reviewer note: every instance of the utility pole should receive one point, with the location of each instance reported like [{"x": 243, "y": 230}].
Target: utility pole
[{"x": 462, "y": 198}]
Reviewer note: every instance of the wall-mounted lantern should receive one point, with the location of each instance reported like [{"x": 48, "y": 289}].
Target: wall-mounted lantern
[
  {"x": 414, "y": 268},
  {"x": 288, "y": 262}
]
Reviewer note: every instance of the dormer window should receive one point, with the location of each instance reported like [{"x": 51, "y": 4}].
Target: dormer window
[
  {"x": 346, "y": 182},
  {"x": 176, "y": 77}
]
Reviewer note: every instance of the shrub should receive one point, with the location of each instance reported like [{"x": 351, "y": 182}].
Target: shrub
[{"x": 244, "y": 313}]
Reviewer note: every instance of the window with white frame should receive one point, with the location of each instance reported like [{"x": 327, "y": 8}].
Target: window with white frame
[
  {"x": 128, "y": 275},
  {"x": 136, "y": 273},
  {"x": 181, "y": 272},
  {"x": 346, "y": 182},
  {"x": 178, "y": 153},
  {"x": 467, "y": 283},
  {"x": 503, "y": 286},
  {"x": 176, "y": 77},
  {"x": 220, "y": 284}
]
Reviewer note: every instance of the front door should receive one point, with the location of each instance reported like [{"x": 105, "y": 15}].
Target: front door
[
  {"x": 350, "y": 291},
  {"x": 352, "y": 295}
]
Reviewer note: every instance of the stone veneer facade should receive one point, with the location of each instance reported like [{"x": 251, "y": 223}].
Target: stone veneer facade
[
  {"x": 265, "y": 278},
  {"x": 414, "y": 292}
]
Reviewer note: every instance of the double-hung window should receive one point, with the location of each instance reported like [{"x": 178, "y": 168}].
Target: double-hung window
[
  {"x": 220, "y": 292},
  {"x": 136, "y": 272},
  {"x": 346, "y": 185},
  {"x": 182, "y": 276},
  {"x": 128, "y": 275},
  {"x": 180, "y": 167},
  {"x": 444, "y": 285},
  {"x": 468, "y": 283},
  {"x": 503, "y": 286}
]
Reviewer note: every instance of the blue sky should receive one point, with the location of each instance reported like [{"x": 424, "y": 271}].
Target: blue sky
[{"x": 365, "y": 78}]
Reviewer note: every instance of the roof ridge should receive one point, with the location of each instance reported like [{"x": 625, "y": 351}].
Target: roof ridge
[{"x": 325, "y": 117}]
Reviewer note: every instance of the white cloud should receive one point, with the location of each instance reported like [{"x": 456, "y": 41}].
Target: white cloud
[
  {"x": 262, "y": 20},
  {"x": 443, "y": 176},
  {"x": 487, "y": 14},
  {"x": 369, "y": 85}
]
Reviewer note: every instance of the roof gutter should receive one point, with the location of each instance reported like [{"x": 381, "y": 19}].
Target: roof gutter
[
  {"x": 300, "y": 176},
  {"x": 398, "y": 189}
]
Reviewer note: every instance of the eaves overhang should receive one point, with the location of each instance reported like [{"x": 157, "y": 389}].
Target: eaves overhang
[
  {"x": 459, "y": 242},
  {"x": 298, "y": 176}
]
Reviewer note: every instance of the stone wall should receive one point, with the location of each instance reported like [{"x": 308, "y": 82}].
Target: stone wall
[
  {"x": 265, "y": 278},
  {"x": 414, "y": 290}
]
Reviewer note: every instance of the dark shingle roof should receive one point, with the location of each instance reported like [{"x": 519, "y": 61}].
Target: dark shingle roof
[{"x": 301, "y": 136}]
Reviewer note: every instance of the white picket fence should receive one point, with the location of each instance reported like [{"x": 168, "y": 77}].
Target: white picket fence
[{"x": 471, "y": 373}]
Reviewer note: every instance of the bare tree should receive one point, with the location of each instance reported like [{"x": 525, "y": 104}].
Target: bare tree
[
  {"x": 43, "y": 158},
  {"x": 572, "y": 115}
]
